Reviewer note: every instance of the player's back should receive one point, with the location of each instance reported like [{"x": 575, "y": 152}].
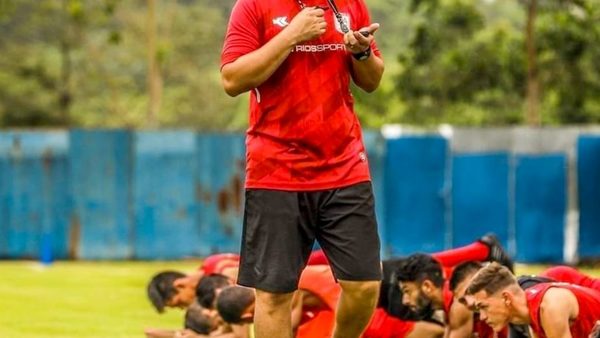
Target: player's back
[{"x": 587, "y": 299}]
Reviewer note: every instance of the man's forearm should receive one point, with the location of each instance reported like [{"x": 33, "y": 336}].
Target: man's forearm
[
  {"x": 251, "y": 70},
  {"x": 367, "y": 74}
]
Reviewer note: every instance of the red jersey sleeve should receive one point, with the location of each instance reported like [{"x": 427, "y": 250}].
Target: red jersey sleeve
[{"x": 243, "y": 31}]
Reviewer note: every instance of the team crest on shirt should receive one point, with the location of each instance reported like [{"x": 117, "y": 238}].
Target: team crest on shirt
[
  {"x": 281, "y": 21},
  {"x": 345, "y": 18}
]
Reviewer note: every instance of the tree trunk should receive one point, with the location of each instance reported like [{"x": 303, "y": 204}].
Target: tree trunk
[
  {"x": 532, "y": 114},
  {"x": 64, "y": 91},
  {"x": 154, "y": 75}
]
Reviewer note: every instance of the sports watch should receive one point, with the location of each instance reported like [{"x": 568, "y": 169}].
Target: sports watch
[{"x": 362, "y": 56}]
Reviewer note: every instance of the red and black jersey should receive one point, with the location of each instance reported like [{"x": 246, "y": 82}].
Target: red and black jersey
[
  {"x": 589, "y": 308},
  {"x": 303, "y": 134}
]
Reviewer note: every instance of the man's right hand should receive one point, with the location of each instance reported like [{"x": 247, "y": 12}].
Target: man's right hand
[{"x": 309, "y": 24}]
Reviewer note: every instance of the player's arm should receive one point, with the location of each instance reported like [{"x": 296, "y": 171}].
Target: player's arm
[
  {"x": 297, "y": 304},
  {"x": 366, "y": 73},
  {"x": 251, "y": 70},
  {"x": 558, "y": 307},
  {"x": 460, "y": 323}
]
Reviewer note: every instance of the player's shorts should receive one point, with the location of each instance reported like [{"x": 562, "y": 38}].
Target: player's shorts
[{"x": 280, "y": 228}]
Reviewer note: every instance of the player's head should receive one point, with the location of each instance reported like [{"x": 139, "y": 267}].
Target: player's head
[
  {"x": 236, "y": 304},
  {"x": 171, "y": 289},
  {"x": 461, "y": 276},
  {"x": 208, "y": 289},
  {"x": 421, "y": 280},
  {"x": 199, "y": 320},
  {"x": 495, "y": 293}
]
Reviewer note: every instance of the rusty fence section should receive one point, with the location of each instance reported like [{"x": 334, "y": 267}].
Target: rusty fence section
[{"x": 121, "y": 194}]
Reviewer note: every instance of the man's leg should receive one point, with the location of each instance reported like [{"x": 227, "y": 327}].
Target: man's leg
[
  {"x": 272, "y": 314},
  {"x": 355, "y": 308},
  {"x": 487, "y": 248},
  {"x": 347, "y": 233},
  {"x": 276, "y": 242},
  {"x": 570, "y": 275}
]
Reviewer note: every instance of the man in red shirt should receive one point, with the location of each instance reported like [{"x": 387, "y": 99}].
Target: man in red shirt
[
  {"x": 176, "y": 289},
  {"x": 552, "y": 310},
  {"x": 307, "y": 174},
  {"x": 425, "y": 286}
]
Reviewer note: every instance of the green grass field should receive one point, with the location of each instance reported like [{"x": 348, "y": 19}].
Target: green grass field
[{"x": 90, "y": 299}]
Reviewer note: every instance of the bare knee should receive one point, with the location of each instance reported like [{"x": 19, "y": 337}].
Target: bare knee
[
  {"x": 274, "y": 300},
  {"x": 366, "y": 290}
]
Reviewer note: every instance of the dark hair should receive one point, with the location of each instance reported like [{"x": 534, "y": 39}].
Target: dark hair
[
  {"x": 196, "y": 320},
  {"x": 233, "y": 301},
  {"x": 206, "y": 291},
  {"x": 491, "y": 279},
  {"x": 160, "y": 289},
  {"x": 420, "y": 267},
  {"x": 462, "y": 271}
]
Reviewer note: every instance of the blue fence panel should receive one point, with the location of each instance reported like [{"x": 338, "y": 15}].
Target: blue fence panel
[
  {"x": 588, "y": 174},
  {"x": 480, "y": 195},
  {"x": 33, "y": 192},
  {"x": 164, "y": 195},
  {"x": 415, "y": 170},
  {"x": 219, "y": 188},
  {"x": 375, "y": 144},
  {"x": 540, "y": 207},
  {"x": 5, "y": 191},
  {"x": 101, "y": 176}
]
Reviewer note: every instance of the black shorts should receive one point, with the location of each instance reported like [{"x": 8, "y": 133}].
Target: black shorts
[{"x": 280, "y": 228}]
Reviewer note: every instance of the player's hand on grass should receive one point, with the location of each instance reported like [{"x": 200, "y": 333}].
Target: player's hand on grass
[
  {"x": 308, "y": 25},
  {"x": 357, "y": 42}
]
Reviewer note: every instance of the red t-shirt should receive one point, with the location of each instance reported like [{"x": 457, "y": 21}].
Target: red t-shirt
[
  {"x": 318, "y": 322},
  {"x": 382, "y": 325},
  {"x": 589, "y": 308},
  {"x": 303, "y": 133},
  {"x": 217, "y": 263}
]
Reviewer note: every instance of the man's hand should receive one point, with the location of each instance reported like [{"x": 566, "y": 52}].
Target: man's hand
[
  {"x": 308, "y": 25},
  {"x": 596, "y": 330},
  {"x": 356, "y": 42}
]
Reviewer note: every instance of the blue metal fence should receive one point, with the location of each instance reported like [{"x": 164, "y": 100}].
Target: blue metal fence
[
  {"x": 588, "y": 173},
  {"x": 118, "y": 194},
  {"x": 480, "y": 197},
  {"x": 414, "y": 175},
  {"x": 33, "y": 194},
  {"x": 100, "y": 164},
  {"x": 540, "y": 207}
]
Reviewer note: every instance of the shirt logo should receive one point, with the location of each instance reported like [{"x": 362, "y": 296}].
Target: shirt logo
[
  {"x": 281, "y": 21},
  {"x": 345, "y": 18}
]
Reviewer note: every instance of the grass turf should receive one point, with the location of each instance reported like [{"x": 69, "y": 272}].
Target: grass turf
[
  {"x": 92, "y": 299},
  {"x": 81, "y": 299}
]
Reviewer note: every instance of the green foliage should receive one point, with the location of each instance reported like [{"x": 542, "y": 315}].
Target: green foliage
[
  {"x": 84, "y": 63},
  {"x": 467, "y": 66}
]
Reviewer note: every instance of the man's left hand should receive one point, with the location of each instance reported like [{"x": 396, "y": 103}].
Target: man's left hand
[{"x": 356, "y": 42}]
